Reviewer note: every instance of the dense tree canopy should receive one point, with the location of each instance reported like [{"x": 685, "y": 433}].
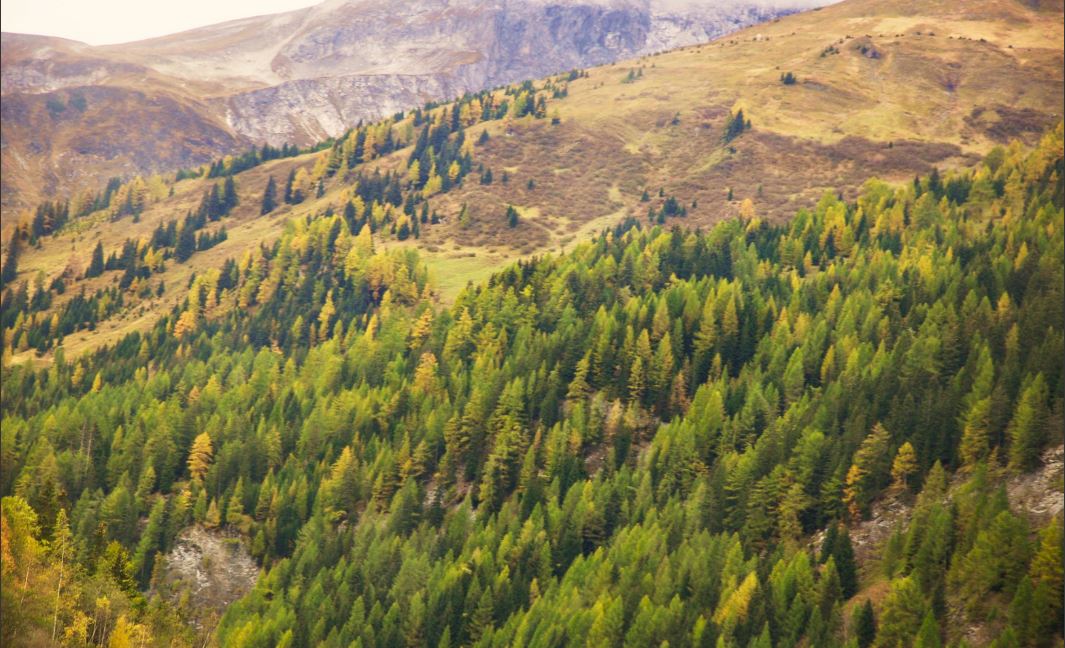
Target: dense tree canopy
[{"x": 628, "y": 444}]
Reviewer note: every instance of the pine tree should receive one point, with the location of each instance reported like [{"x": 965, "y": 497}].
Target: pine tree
[
  {"x": 421, "y": 330},
  {"x": 1027, "y": 428},
  {"x": 735, "y": 126},
  {"x": 794, "y": 378},
  {"x": 480, "y": 618},
  {"x": 995, "y": 562},
  {"x": 637, "y": 380},
  {"x": 288, "y": 195},
  {"x": 186, "y": 243},
  {"x": 213, "y": 518},
  {"x": 829, "y": 589},
  {"x": 1020, "y": 612},
  {"x": 214, "y": 206},
  {"x": 229, "y": 195},
  {"x": 975, "y": 440},
  {"x": 115, "y": 564},
  {"x": 863, "y": 624},
  {"x": 578, "y": 388},
  {"x": 904, "y": 466},
  {"x": 869, "y": 472},
  {"x": 902, "y": 614},
  {"x": 96, "y": 265},
  {"x": 608, "y": 624},
  {"x": 10, "y": 268},
  {"x": 150, "y": 542},
  {"x": 843, "y": 552},
  {"x": 62, "y": 550},
  {"x": 1048, "y": 576},
  {"x": 235, "y": 507},
  {"x": 269, "y": 197},
  {"x": 928, "y": 635},
  {"x": 425, "y": 381},
  {"x": 200, "y": 457}
]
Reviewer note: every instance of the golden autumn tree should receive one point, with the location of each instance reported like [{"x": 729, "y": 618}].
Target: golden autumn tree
[
  {"x": 425, "y": 375},
  {"x": 200, "y": 457},
  {"x": 904, "y": 466}
]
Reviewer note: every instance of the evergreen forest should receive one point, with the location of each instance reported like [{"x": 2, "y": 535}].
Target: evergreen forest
[{"x": 662, "y": 437}]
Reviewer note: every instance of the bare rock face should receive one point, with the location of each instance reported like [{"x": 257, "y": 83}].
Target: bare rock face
[
  {"x": 304, "y": 75},
  {"x": 436, "y": 49},
  {"x": 308, "y": 110},
  {"x": 205, "y": 572},
  {"x": 1038, "y": 494}
]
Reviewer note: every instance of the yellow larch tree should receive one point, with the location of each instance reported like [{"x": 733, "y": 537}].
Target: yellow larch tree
[{"x": 200, "y": 457}]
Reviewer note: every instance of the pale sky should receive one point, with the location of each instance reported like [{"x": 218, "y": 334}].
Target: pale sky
[{"x": 104, "y": 22}]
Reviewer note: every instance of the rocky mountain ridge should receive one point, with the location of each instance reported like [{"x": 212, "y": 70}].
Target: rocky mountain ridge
[{"x": 308, "y": 74}]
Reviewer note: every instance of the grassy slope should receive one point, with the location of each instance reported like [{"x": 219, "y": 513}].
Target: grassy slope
[
  {"x": 121, "y": 130},
  {"x": 947, "y": 82}
]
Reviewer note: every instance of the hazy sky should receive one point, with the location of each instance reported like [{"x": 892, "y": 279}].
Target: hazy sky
[
  {"x": 104, "y": 22},
  {"x": 100, "y": 22}
]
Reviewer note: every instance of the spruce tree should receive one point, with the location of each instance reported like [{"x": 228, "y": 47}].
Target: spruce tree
[
  {"x": 843, "y": 552},
  {"x": 1027, "y": 428},
  {"x": 863, "y": 624},
  {"x": 288, "y": 196},
  {"x": 186, "y": 243},
  {"x": 928, "y": 635},
  {"x": 96, "y": 265},
  {"x": 735, "y": 126},
  {"x": 837, "y": 545},
  {"x": 229, "y": 195},
  {"x": 270, "y": 198},
  {"x": 902, "y": 614},
  {"x": 10, "y": 269}
]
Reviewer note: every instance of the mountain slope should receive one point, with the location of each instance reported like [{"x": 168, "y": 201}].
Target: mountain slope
[
  {"x": 305, "y": 75},
  {"x": 761, "y": 348},
  {"x": 849, "y": 116},
  {"x": 634, "y": 443}
]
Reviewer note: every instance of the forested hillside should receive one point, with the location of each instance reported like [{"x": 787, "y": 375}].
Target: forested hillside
[
  {"x": 634, "y": 443},
  {"x": 763, "y": 122}
]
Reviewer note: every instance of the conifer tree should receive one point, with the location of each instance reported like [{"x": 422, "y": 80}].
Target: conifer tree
[
  {"x": 288, "y": 194},
  {"x": 928, "y": 635},
  {"x": 904, "y": 466},
  {"x": 863, "y": 624},
  {"x": 843, "y": 552},
  {"x": 1027, "y": 428},
  {"x": 235, "y": 506},
  {"x": 96, "y": 265},
  {"x": 269, "y": 197},
  {"x": 1046, "y": 573},
  {"x": 200, "y": 457},
  {"x": 10, "y": 268},
  {"x": 186, "y": 243},
  {"x": 902, "y": 614},
  {"x": 869, "y": 472},
  {"x": 229, "y": 195}
]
